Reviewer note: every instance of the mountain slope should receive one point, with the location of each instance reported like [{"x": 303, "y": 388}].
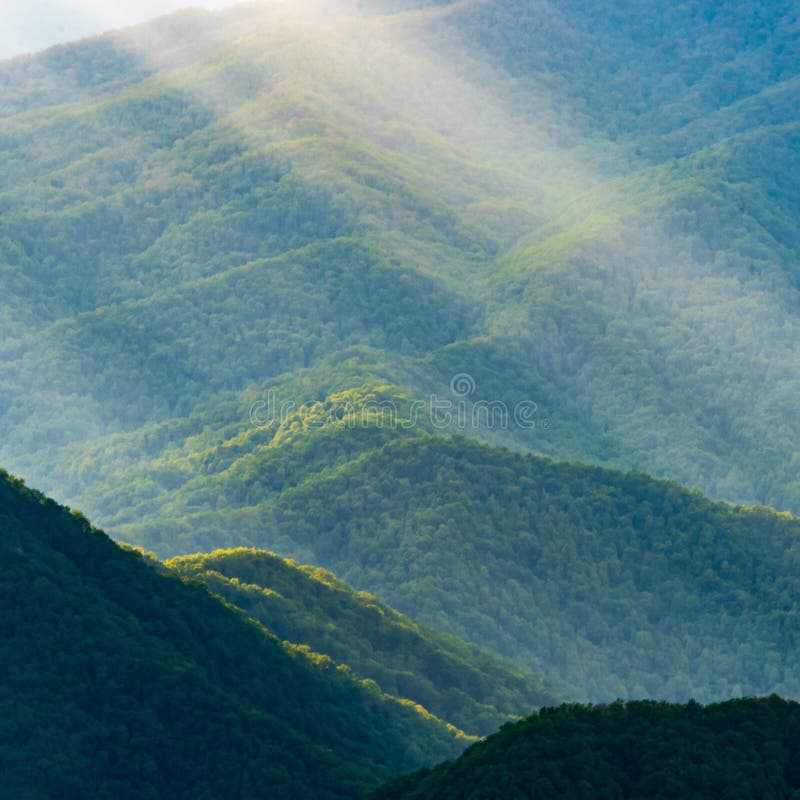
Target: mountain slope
[
  {"x": 123, "y": 682},
  {"x": 648, "y": 70},
  {"x": 210, "y": 207},
  {"x": 309, "y": 606},
  {"x": 604, "y": 584},
  {"x": 743, "y": 748}
]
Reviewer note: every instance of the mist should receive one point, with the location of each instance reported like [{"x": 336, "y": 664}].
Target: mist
[
  {"x": 32, "y": 26},
  {"x": 610, "y": 300}
]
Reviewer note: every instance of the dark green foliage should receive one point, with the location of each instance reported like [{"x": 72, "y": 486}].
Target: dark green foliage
[
  {"x": 120, "y": 682},
  {"x": 745, "y": 749},
  {"x": 309, "y": 606}
]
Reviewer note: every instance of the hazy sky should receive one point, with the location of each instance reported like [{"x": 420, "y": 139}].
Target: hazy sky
[{"x": 30, "y": 25}]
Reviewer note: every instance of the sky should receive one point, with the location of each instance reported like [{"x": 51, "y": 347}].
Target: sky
[{"x": 30, "y": 25}]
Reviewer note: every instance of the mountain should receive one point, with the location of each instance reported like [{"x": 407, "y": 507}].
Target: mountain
[
  {"x": 308, "y": 606},
  {"x": 369, "y": 284},
  {"x": 213, "y": 209},
  {"x": 741, "y": 748},
  {"x": 603, "y": 584},
  {"x": 123, "y": 682}
]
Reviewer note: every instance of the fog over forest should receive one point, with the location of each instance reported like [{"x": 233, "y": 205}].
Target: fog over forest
[{"x": 453, "y": 347}]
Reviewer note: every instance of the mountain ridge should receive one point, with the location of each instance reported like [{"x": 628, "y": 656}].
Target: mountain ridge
[
  {"x": 246, "y": 136},
  {"x": 137, "y": 683},
  {"x": 309, "y": 606}
]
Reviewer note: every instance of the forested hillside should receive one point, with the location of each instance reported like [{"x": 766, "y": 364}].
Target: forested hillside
[
  {"x": 119, "y": 682},
  {"x": 489, "y": 307},
  {"x": 745, "y": 749},
  {"x": 604, "y": 584},
  {"x": 309, "y": 606},
  {"x": 213, "y": 206}
]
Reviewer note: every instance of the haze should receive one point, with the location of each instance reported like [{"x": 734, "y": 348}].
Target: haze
[{"x": 32, "y": 25}]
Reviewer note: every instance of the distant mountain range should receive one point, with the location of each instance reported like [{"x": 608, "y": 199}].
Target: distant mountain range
[
  {"x": 492, "y": 309},
  {"x": 591, "y": 210},
  {"x": 603, "y": 584}
]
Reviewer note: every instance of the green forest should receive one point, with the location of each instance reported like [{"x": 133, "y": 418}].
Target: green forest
[
  {"x": 424, "y": 365},
  {"x": 251, "y": 210},
  {"x": 746, "y": 749},
  {"x": 602, "y": 584},
  {"x": 126, "y": 675},
  {"x": 121, "y": 682},
  {"x": 309, "y": 606}
]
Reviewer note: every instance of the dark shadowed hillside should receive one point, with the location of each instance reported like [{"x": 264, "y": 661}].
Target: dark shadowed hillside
[
  {"x": 745, "y": 749},
  {"x": 121, "y": 682}
]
